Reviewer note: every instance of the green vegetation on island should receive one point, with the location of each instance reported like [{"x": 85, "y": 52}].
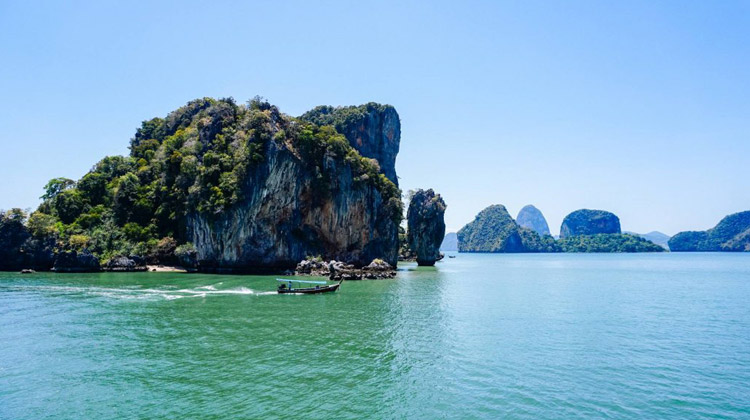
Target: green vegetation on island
[
  {"x": 732, "y": 234},
  {"x": 492, "y": 230},
  {"x": 607, "y": 242}
]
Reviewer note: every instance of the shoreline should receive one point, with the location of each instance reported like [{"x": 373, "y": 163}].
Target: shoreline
[{"x": 166, "y": 269}]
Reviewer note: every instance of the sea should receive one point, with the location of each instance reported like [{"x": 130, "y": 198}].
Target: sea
[{"x": 478, "y": 336}]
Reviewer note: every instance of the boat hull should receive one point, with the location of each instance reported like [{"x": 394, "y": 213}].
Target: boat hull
[{"x": 310, "y": 290}]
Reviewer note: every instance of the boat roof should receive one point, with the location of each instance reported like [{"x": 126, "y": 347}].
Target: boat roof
[{"x": 302, "y": 281}]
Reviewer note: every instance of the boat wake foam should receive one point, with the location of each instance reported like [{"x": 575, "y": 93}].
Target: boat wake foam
[{"x": 136, "y": 293}]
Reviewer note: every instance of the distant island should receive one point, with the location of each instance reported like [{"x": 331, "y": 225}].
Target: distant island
[
  {"x": 731, "y": 234},
  {"x": 494, "y": 230}
]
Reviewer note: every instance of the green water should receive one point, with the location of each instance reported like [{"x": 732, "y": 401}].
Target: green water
[{"x": 479, "y": 336}]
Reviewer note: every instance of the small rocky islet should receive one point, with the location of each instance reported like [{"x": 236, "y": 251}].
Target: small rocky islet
[{"x": 426, "y": 226}]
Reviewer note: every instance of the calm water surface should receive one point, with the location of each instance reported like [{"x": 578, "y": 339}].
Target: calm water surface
[{"x": 479, "y": 336}]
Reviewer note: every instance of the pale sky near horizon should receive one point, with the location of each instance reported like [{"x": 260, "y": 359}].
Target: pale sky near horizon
[{"x": 641, "y": 108}]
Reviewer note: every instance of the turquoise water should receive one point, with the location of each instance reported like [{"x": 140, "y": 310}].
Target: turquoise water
[{"x": 478, "y": 336}]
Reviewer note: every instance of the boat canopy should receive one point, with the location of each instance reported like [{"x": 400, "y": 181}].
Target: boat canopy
[{"x": 302, "y": 281}]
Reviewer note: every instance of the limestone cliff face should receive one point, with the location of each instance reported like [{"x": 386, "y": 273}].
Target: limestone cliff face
[
  {"x": 373, "y": 129},
  {"x": 589, "y": 222},
  {"x": 530, "y": 217},
  {"x": 287, "y": 214},
  {"x": 426, "y": 225}
]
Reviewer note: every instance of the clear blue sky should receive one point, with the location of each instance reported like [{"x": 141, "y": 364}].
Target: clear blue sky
[{"x": 640, "y": 108}]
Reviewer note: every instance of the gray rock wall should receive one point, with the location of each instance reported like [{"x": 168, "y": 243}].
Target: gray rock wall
[
  {"x": 426, "y": 225},
  {"x": 286, "y": 217}
]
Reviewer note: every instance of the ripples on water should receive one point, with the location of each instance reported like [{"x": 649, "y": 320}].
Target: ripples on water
[{"x": 480, "y": 336}]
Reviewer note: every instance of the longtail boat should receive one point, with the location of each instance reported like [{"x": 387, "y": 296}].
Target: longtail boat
[{"x": 288, "y": 286}]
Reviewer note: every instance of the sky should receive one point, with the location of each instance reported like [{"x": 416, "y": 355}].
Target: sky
[{"x": 639, "y": 108}]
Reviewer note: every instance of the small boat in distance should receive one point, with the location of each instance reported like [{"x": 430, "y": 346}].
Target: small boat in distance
[{"x": 287, "y": 287}]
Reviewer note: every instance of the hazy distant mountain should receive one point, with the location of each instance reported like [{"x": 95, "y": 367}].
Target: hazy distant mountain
[
  {"x": 530, "y": 217},
  {"x": 661, "y": 239},
  {"x": 450, "y": 242}
]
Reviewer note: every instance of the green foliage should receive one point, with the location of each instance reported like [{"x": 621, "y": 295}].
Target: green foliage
[
  {"x": 68, "y": 205},
  {"x": 608, "y": 242},
  {"x": 691, "y": 241},
  {"x": 186, "y": 255},
  {"x": 55, "y": 186},
  {"x": 125, "y": 197},
  {"x": 534, "y": 242},
  {"x": 42, "y": 225},
  {"x": 314, "y": 258},
  {"x": 136, "y": 233},
  {"x": 78, "y": 242},
  {"x": 184, "y": 250},
  {"x": 342, "y": 117},
  {"x": 12, "y": 227},
  {"x": 13, "y": 235},
  {"x": 93, "y": 186}
]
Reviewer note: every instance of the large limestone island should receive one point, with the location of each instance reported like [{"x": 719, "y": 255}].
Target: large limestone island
[
  {"x": 225, "y": 187},
  {"x": 732, "y": 233},
  {"x": 494, "y": 230}
]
